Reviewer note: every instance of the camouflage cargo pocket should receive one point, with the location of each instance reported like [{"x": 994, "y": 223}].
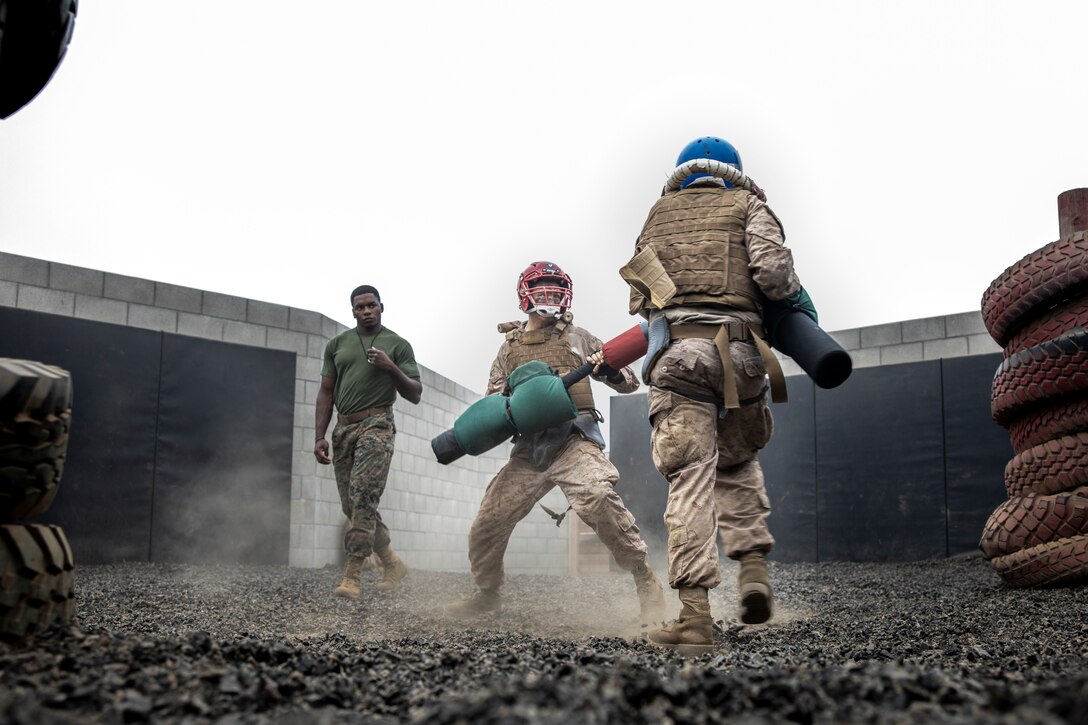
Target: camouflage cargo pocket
[{"x": 678, "y": 537}]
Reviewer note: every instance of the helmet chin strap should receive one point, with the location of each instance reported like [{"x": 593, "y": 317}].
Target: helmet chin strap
[{"x": 547, "y": 310}]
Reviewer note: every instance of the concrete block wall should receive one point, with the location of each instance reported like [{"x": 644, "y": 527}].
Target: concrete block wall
[
  {"x": 428, "y": 507},
  {"x": 929, "y": 338}
]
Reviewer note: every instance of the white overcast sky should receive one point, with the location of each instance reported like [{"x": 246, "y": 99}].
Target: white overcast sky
[{"x": 288, "y": 151}]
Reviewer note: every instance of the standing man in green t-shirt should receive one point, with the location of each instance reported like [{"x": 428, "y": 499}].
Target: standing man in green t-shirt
[{"x": 363, "y": 370}]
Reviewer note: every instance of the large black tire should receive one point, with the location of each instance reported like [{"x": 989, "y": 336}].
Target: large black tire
[
  {"x": 1023, "y": 522},
  {"x": 1047, "y": 275},
  {"x": 35, "y": 580},
  {"x": 1051, "y": 323},
  {"x": 1055, "y": 466},
  {"x": 1048, "y": 371},
  {"x": 1064, "y": 561},
  {"x": 35, "y": 414}
]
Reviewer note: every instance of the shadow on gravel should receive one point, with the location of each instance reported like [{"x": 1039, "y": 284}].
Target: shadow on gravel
[{"x": 939, "y": 641}]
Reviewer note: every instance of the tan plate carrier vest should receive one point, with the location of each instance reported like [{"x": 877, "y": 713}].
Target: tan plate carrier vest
[
  {"x": 550, "y": 345},
  {"x": 692, "y": 253}
]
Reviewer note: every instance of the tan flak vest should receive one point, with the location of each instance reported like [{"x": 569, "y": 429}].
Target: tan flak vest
[
  {"x": 550, "y": 345},
  {"x": 691, "y": 252}
]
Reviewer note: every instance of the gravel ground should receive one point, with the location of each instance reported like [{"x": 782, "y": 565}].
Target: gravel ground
[{"x": 939, "y": 641}]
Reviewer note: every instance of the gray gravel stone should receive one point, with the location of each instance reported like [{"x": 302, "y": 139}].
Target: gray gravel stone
[{"x": 940, "y": 641}]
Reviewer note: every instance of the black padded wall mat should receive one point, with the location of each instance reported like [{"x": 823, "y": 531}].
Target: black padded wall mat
[
  {"x": 789, "y": 472},
  {"x": 976, "y": 449},
  {"x": 104, "y": 499},
  {"x": 223, "y": 473},
  {"x": 880, "y": 465},
  {"x": 180, "y": 448}
]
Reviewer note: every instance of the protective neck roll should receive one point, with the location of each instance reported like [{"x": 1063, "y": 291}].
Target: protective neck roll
[{"x": 720, "y": 169}]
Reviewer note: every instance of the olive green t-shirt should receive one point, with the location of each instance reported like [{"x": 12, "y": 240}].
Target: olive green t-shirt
[{"x": 359, "y": 384}]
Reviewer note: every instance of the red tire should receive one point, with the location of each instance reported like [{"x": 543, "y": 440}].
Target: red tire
[
  {"x": 1026, "y": 521},
  {"x": 1055, "y": 322},
  {"x": 1058, "y": 562},
  {"x": 1043, "y": 276},
  {"x": 1051, "y": 370},
  {"x": 1056, "y": 466},
  {"x": 1039, "y": 425}
]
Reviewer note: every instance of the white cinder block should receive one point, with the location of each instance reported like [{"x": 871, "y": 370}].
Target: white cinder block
[
  {"x": 894, "y": 354},
  {"x": 101, "y": 310},
  {"x": 39, "y": 299},
  {"x": 950, "y": 347}
]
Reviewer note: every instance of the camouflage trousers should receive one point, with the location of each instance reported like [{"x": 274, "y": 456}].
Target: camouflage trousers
[
  {"x": 585, "y": 476},
  {"x": 715, "y": 482},
  {"x": 361, "y": 455}
]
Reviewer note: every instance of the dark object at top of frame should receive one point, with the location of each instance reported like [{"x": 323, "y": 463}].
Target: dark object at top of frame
[{"x": 34, "y": 36}]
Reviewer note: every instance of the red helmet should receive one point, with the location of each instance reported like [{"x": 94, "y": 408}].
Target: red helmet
[{"x": 544, "y": 288}]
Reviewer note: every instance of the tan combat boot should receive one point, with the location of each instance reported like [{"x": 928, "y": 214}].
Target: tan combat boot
[
  {"x": 482, "y": 602},
  {"x": 754, "y": 583},
  {"x": 651, "y": 595},
  {"x": 349, "y": 585},
  {"x": 393, "y": 570},
  {"x": 692, "y": 633}
]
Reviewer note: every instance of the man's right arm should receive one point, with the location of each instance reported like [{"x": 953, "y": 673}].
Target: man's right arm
[
  {"x": 770, "y": 259},
  {"x": 323, "y": 417}
]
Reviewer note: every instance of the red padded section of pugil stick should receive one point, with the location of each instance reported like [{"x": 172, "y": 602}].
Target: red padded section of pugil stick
[{"x": 625, "y": 348}]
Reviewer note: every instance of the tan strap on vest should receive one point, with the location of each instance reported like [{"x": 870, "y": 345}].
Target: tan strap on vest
[
  {"x": 774, "y": 370},
  {"x": 722, "y": 335}
]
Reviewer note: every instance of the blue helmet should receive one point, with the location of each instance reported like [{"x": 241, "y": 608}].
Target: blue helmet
[{"x": 709, "y": 147}]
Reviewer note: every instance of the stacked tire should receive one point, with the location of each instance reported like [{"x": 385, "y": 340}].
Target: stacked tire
[
  {"x": 36, "y": 566},
  {"x": 1037, "y": 310}
]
